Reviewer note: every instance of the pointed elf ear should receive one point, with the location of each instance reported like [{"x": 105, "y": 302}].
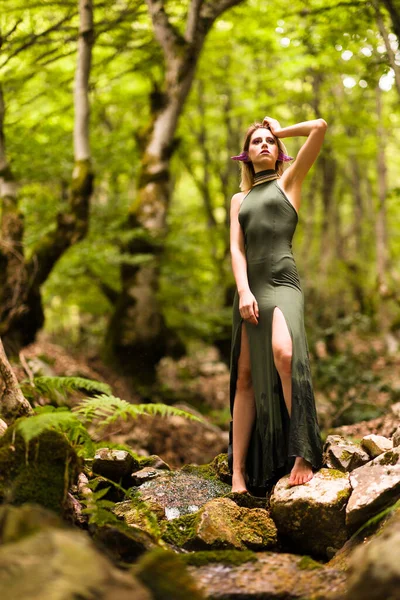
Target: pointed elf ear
[
  {"x": 243, "y": 156},
  {"x": 284, "y": 157}
]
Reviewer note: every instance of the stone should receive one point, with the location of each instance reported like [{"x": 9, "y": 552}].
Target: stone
[
  {"x": 221, "y": 524},
  {"x": 311, "y": 517},
  {"x": 3, "y": 427},
  {"x": 114, "y": 464},
  {"x": 396, "y": 438},
  {"x": 376, "y": 444},
  {"x": 343, "y": 454},
  {"x": 154, "y": 461},
  {"x": 145, "y": 474},
  {"x": 271, "y": 576},
  {"x": 166, "y": 575},
  {"x": 376, "y": 485},
  {"x": 374, "y": 570},
  {"x": 177, "y": 493},
  {"x": 58, "y": 564},
  {"x": 40, "y": 472}
]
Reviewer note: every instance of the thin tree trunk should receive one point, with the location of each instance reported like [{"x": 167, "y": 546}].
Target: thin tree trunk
[
  {"x": 12, "y": 402},
  {"x": 21, "y": 314},
  {"x": 391, "y": 55},
  {"x": 381, "y": 221},
  {"x": 137, "y": 335}
]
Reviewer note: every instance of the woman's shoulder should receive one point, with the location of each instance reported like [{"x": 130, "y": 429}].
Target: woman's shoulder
[{"x": 237, "y": 199}]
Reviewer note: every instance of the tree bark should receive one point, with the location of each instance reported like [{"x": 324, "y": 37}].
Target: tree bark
[
  {"x": 12, "y": 402},
  {"x": 21, "y": 313},
  {"x": 138, "y": 336},
  {"x": 390, "y": 53}
]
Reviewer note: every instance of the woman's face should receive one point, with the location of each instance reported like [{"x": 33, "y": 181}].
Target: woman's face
[{"x": 263, "y": 149}]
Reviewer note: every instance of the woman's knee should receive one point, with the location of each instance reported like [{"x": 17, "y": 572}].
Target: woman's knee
[
  {"x": 244, "y": 381},
  {"x": 283, "y": 359}
]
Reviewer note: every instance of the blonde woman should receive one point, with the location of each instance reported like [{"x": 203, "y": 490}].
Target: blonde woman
[{"x": 274, "y": 428}]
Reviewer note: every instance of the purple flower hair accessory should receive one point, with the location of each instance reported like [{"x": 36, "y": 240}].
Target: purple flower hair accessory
[
  {"x": 243, "y": 156},
  {"x": 284, "y": 157}
]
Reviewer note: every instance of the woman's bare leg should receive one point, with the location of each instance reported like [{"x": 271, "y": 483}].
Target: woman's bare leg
[
  {"x": 282, "y": 350},
  {"x": 244, "y": 412}
]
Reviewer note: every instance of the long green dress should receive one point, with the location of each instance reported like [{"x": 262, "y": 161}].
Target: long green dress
[{"x": 269, "y": 220}]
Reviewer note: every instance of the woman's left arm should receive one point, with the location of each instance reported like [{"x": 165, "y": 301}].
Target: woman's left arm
[{"x": 307, "y": 155}]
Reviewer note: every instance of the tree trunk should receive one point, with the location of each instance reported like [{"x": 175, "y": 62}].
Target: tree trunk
[
  {"x": 21, "y": 313},
  {"x": 138, "y": 336},
  {"x": 12, "y": 402}
]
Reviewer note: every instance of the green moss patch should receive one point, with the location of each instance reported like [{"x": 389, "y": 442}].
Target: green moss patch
[
  {"x": 227, "y": 557},
  {"x": 306, "y": 562}
]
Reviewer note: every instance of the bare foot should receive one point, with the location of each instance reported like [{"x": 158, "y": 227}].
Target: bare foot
[
  {"x": 239, "y": 483},
  {"x": 301, "y": 472}
]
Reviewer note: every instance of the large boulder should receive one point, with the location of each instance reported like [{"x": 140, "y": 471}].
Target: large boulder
[
  {"x": 62, "y": 564},
  {"x": 310, "y": 517},
  {"x": 343, "y": 454},
  {"x": 222, "y": 524},
  {"x": 376, "y": 485},
  {"x": 266, "y": 576},
  {"x": 40, "y": 472},
  {"x": 374, "y": 571}
]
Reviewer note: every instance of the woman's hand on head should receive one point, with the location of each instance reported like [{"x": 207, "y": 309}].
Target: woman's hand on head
[
  {"x": 248, "y": 307},
  {"x": 273, "y": 125}
]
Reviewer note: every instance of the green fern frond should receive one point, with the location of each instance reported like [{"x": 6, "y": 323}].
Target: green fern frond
[
  {"x": 58, "y": 419},
  {"x": 109, "y": 409},
  {"x": 56, "y": 388}
]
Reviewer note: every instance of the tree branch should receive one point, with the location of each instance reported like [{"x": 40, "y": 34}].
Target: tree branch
[{"x": 167, "y": 36}]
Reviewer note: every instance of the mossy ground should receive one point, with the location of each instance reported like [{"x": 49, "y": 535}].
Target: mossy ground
[
  {"x": 41, "y": 472},
  {"x": 227, "y": 557}
]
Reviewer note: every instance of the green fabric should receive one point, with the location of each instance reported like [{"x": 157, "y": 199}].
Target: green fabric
[{"x": 269, "y": 220}]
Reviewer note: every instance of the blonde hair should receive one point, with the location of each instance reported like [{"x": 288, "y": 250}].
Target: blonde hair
[{"x": 247, "y": 169}]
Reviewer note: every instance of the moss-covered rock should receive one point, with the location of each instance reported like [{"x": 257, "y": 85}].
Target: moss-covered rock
[
  {"x": 311, "y": 517},
  {"x": 376, "y": 485},
  {"x": 62, "y": 564},
  {"x": 177, "y": 493},
  {"x": 166, "y": 575},
  {"x": 225, "y": 557},
  {"x": 343, "y": 454},
  {"x": 18, "y": 522},
  {"x": 40, "y": 472},
  {"x": 272, "y": 575},
  {"x": 374, "y": 571},
  {"x": 221, "y": 524}
]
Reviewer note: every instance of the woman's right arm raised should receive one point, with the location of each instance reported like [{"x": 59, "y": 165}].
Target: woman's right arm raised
[{"x": 248, "y": 306}]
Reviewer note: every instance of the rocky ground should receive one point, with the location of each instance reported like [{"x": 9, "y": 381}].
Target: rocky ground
[{"x": 157, "y": 520}]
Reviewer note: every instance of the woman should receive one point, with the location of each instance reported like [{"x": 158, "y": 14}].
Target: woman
[{"x": 274, "y": 427}]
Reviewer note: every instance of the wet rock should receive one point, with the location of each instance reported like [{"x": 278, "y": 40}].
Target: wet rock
[
  {"x": 376, "y": 444},
  {"x": 177, "y": 493},
  {"x": 343, "y": 454},
  {"x": 58, "y": 563},
  {"x": 374, "y": 571},
  {"x": 311, "y": 517},
  {"x": 221, "y": 524},
  {"x": 396, "y": 438},
  {"x": 376, "y": 485},
  {"x": 166, "y": 575},
  {"x": 154, "y": 461},
  {"x": 3, "y": 427},
  {"x": 41, "y": 472},
  {"x": 145, "y": 474},
  {"x": 270, "y": 576},
  {"x": 114, "y": 464}
]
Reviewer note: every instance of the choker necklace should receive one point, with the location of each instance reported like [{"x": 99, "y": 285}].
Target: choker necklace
[{"x": 266, "y": 175}]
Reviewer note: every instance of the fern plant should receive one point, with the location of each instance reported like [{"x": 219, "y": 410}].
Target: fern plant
[
  {"x": 108, "y": 409},
  {"x": 102, "y": 409},
  {"x": 57, "y": 389}
]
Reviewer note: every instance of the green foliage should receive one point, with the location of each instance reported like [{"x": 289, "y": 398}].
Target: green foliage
[
  {"x": 57, "y": 419},
  {"x": 56, "y": 389},
  {"x": 108, "y": 409}
]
